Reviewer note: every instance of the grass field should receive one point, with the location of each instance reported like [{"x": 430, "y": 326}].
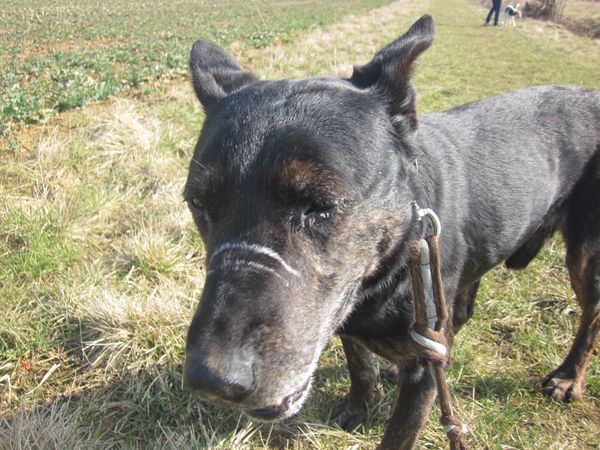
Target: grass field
[
  {"x": 57, "y": 56},
  {"x": 101, "y": 267}
]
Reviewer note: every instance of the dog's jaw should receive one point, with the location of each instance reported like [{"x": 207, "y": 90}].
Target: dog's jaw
[
  {"x": 287, "y": 407},
  {"x": 290, "y": 404},
  {"x": 298, "y": 400}
]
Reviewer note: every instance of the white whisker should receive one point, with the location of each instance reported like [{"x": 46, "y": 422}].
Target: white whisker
[
  {"x": 260, "y": 249},
  {"x": 240, "y": 264}
]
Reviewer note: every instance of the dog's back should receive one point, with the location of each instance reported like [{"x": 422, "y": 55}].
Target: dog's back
[
  {"x": 511, "y": 10},
  {"x": 505, "y": 192},
  {"x": 514, "y": 159}
]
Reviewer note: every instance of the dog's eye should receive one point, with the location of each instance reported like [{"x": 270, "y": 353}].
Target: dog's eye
[
  {"x": 320, "y": 212},
  {"x": 197, "y": 204},
  {"x": 312, "y": 216}
]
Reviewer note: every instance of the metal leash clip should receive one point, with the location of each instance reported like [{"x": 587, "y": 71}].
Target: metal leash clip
[{"x": 423, "y": 213}]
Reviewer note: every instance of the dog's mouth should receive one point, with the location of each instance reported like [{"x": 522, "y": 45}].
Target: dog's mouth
[{"x": 288, "y": 407}]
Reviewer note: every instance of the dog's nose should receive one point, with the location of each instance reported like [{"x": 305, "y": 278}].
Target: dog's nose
[{"x": 233, "y": 383}]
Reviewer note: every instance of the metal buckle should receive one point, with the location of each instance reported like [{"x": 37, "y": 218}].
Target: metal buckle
[{"x": 422, "y": 213}]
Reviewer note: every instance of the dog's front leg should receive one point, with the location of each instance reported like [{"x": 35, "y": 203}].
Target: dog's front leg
[
  {"x": 415, "y": 396},
  {"x": 352, "y": 411}
]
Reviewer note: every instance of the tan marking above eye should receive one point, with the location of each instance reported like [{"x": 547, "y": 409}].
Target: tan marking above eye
[{"x": 310, "y": 178}]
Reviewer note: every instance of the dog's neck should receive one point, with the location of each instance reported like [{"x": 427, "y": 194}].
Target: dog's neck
[{"x": 385, "y": 296}]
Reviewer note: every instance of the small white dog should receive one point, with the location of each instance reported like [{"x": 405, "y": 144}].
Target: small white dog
[{"x": 510, "y": 14}]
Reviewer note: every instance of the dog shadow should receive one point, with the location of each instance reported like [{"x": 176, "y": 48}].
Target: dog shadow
[
  {"x": 146, "y": 405},
  {"x": 497, "y": 387},
  {"x": 153, "y": 409}
]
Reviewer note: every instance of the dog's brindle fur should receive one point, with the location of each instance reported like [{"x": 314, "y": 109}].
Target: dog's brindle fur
[{"x": 301, "y": 190}]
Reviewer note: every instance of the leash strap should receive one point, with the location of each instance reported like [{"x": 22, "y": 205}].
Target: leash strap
[{"x": 430, "y": 325}]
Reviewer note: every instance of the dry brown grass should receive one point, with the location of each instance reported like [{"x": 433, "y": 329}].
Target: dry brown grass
[
  {"x": 333, "y": 51},
  {"x": 583, "y": 17}
]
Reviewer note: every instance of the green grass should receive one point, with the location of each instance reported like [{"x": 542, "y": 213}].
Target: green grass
[
  {"x": 62, "y": 55},
  {"x": 101, "y": 266}
]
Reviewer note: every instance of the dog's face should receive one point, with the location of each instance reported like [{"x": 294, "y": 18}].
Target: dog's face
[{"x": 294, "y": 187}]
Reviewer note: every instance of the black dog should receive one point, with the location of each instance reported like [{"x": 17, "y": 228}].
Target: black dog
[{"x": 302, "y": 192}]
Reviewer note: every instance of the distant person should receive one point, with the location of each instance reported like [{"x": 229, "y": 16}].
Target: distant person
[{"x": 496, "y": 5}]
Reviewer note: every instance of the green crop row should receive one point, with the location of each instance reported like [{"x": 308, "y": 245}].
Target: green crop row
[{"x": 56, "y": 56}]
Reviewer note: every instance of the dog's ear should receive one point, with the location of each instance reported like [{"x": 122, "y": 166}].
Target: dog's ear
[
  {"x": 215, "y": 74},
  {"x": 389, "y": 72}
]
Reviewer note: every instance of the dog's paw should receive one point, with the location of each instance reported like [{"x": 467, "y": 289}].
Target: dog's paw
[
  {"x": 348, "y": 415},
  {"x": 561, "y": 387}
]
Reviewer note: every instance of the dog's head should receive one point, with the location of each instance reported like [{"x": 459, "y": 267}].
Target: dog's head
[{"x": 294, "y": 186}]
